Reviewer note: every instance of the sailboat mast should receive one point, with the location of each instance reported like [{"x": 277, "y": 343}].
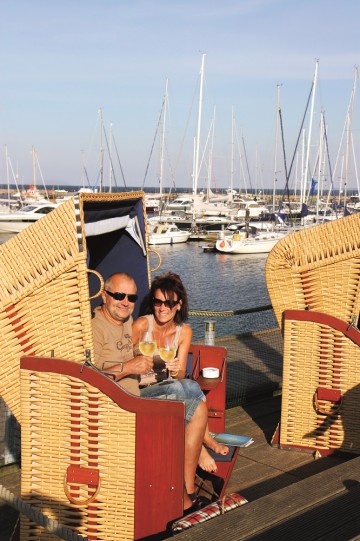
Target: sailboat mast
[
  {"x": 211, "y": 153},
  {"x": 197, "y": 152},
  {"x": 162, "y": 149},
  {"x": 34, "y": 167},
  {"x": 310, "y": 125},
  {"x": 101, "y": 151},
  {"x": 111, "y": 164},
  {"x": 232, "y": 153},
  {"x": 320, "y": 163},
  {"x": 7, "y": 174},
  {"x": 348, "y": 134},
  {"x": 277, "y": 123}
]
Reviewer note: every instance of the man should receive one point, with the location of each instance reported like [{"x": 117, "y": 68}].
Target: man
[{"x": 112, "y": 332}]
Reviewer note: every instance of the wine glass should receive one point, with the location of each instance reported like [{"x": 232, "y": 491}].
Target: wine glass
[
  {"x": 147, "y": 345},
  {"x": 167, "y": 352}
]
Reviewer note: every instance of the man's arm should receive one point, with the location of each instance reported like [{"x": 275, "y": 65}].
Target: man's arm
[{"x": 141, "y": 364}]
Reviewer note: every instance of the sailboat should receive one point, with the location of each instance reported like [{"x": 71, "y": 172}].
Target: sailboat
[
  {"x": 32, "y": 194},
  {"x": 15, "y": 221},
  {"x": 249, "y": 241}
]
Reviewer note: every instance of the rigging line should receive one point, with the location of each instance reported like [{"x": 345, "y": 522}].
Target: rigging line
[
  {"x": 36, "y": 515},
  {"x": 241, "y": 171},
  {"x": 226, "y": 313},
  {"x": 110, "y": 158},
  {"x": 153, "y": 144},
  {"x": 296, "y": 146},
  {"x": 331, "y": 188},
  {"x": 246, "y": 161},
  {"x": 285, "y": 166},
  {"x": 171, "y": 172},
  {"x": 15, "y": 181},
  {"x": 87, "y": 176},
  {"x": 329, "y": 162},
  {"x": 118, "y": 157},
  {"x": 42, "y": 178},
  {"x": 177, "y": 161}
]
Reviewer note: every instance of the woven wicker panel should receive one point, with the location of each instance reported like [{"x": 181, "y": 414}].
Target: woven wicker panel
[
  {"x": 44, "y": 304},
  {"x": 66, "y": 421},
  {"x": 317, "y": 268},
  {"x": 317, "y": 355},
  {"x": 44, "y": 301}
]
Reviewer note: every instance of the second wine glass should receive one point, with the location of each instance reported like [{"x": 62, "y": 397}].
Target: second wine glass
[{"x": 167, "y": 351}]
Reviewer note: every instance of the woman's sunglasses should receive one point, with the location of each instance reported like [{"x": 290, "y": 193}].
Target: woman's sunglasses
[
  {"x": 167, "y": 303},
  {"x": 121, "y": 296}
]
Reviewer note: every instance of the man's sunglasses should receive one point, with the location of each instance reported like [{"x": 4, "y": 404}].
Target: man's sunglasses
[
  {"x": 167, "y": 303},
  {"x": 121, "y": 296}
]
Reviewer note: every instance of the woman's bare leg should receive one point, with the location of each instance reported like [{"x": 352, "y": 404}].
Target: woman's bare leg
[
  {"x": 194, "y": 436},
  {"x": 206, "y": 462}
]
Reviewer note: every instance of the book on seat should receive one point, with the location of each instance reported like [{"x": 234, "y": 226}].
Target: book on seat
[{"x": 233, "y": 439}]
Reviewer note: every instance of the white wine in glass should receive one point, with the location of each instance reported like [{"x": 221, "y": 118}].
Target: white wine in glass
[
  {"x": 147, "y": 347},
  {"x": 147, "y": 344},
  {"x": 167, "y": 352}
]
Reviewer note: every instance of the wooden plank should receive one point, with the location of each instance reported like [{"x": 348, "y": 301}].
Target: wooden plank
[
  {"x": 270, "y": 479},
  {"x": 325, "y": 500}
]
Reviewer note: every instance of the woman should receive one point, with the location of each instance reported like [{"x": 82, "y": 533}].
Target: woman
[{"x": 168, "y": 305}]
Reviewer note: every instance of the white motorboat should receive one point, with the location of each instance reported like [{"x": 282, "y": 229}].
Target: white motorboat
[
  {"x": 167, "y": 233},
  {"x": 183, "y": 203},
  {"x": 253, "y": 208},
  {"x": 241, "y": 243},
  {"x": 16, "y": 221}
]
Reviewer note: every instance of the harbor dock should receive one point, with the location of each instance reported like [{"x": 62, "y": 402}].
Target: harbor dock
[{"x": 291, "y": 494}]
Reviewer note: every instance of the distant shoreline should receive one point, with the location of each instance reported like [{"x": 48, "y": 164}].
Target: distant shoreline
[{"x": 260, "y": 194}]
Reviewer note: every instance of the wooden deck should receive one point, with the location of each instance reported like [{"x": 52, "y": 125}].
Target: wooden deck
[{"x": 291, "y": 494}]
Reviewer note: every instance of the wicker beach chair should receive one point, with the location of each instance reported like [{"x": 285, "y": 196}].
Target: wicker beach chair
[
  {"x": 313, "y": 280},
  {"x": 50, "y": 271},
  {"x": 51, "y": 275},
  {"x": 95, "y": 458},
  {"x": 99, "y": 461}
]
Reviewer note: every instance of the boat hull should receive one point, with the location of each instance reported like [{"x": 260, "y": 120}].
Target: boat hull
[
  {"x": 255, "y": 245},
  {"x": 168, "y": 239},
  {"x": 17, "y": 221},
  {"x": 15, "y": 226}
]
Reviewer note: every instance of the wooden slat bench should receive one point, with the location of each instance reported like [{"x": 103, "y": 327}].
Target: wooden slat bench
[{"x": 324, "y": 507}]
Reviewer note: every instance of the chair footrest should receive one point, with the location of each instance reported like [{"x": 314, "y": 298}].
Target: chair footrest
[
  {"x": 223, "y": 458},
  {"x": 225, "y": 504}
]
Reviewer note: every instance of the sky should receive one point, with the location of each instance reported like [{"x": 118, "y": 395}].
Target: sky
[{"x": 84, "y": 80}]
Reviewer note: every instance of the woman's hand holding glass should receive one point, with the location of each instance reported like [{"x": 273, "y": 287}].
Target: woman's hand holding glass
[{"x": 167, "y": 352}]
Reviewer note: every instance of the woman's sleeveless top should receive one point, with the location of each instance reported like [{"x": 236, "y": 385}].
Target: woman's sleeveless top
[{"x": 159, "y": 371}]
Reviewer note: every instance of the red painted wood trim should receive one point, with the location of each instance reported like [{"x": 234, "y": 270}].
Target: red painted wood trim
[
  {"x": 325, "y": 319},
  {"x": 84, "y": 373},
  {"x": 160, "y": 435},
  {"x": 159, "y": 472}
]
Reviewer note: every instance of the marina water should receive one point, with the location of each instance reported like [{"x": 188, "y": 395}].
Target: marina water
[{"x": 219, "y": 282}]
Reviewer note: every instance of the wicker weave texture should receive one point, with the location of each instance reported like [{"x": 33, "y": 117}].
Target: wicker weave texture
[
  {"x": 44, "y": 301},
  {"x": 44, "y": 304},
  {"x": 316, "y": 355},
  {"x": 68, "y": 422},
  {"x": 317, "y": 268}
]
